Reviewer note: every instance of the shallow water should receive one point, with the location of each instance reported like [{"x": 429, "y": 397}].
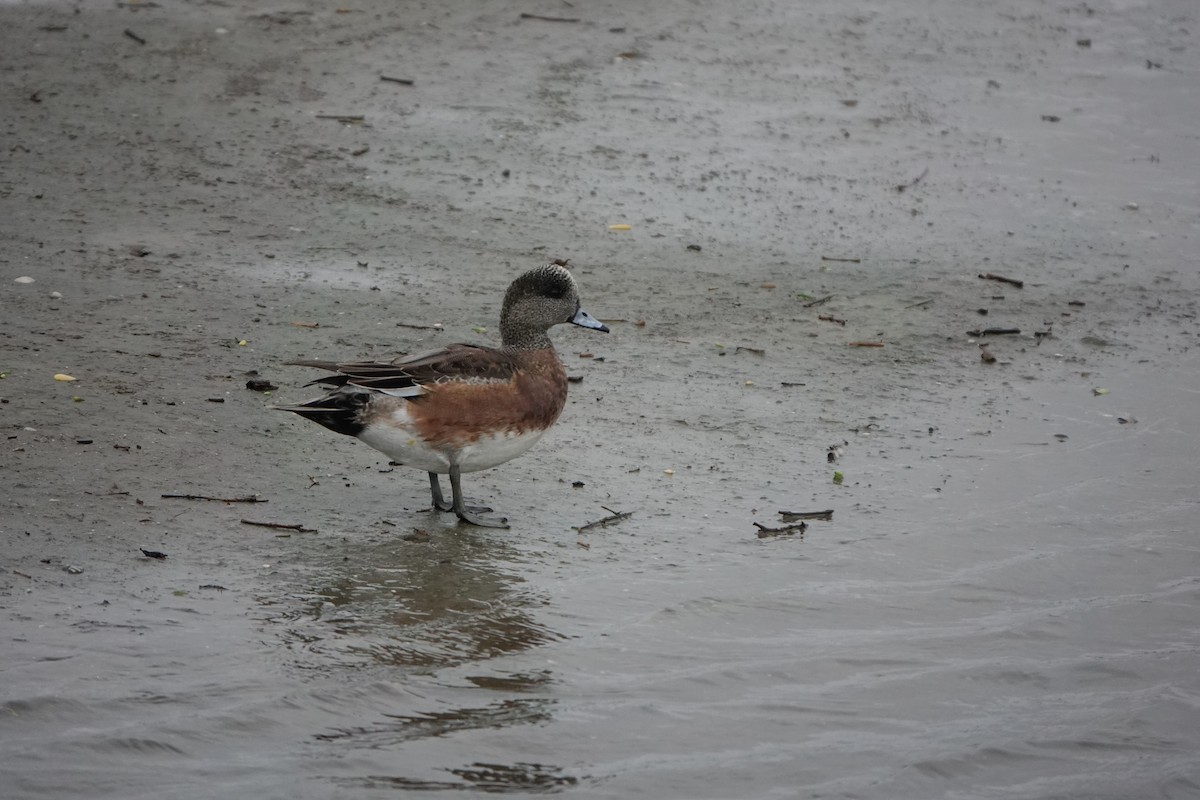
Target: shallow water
[{"x": 1019, "y": 622}]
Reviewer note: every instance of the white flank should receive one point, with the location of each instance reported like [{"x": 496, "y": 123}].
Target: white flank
[{"x": 397, "y": 439}]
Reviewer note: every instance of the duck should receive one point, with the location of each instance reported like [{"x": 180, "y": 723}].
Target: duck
[{"x": 464, "y": 407}]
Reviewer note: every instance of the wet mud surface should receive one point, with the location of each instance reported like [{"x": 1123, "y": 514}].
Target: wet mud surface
[{"x": 1004, "y": 602}]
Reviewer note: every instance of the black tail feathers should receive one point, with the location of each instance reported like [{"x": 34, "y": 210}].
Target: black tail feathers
[{"x": 340, "y": 411}]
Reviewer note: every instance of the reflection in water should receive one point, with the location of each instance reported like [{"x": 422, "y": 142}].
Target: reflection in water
[
  {"x": 495, "y": 778},
  {"x": 428, "y": 725},
  {"x": 411, "y": 608},
  {"x": 426, "y": 604}
]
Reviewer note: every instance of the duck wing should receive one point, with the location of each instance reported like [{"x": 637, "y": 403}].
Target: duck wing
[{"x": 405, "y": 376}]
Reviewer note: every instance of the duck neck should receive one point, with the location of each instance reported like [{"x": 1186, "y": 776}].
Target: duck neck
[{"x": 518, "y": 337}]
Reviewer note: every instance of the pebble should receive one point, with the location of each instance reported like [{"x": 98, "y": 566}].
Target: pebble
[{"x": 23, "y": 279}]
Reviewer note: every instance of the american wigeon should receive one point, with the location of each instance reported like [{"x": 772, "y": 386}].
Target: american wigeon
[{"x": 462, "y": 408}]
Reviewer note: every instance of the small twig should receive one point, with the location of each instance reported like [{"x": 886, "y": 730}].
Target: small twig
[
  {"x": 253, "y": 498},
  {"x": 437, "y": 326},
  {"x": 792, "y": 516},
  {"x": 913, "y": 182},
  {"x": 786, "y": 530},
  {"x": 866, "y": 344},
  {"x": 991, "y": 276},
  {"x": 791, "y": 383},
  {"x": 22, "y": 574},
  {"x": 614, "y": 516},
  {"x": 819, "y": 302},
  {"x": 403, "y": 81},
  {"x": 342, "y": 117},
  {"x": 922, "y": 303},
  {"x": 758, "y": 351},
  {"x": 831, "y": 318},
  {"x": 549, "y": 19},
  {"x": 842, "y": 260},
  {"x": 134, "y": 36},
  {"x": 995, "y": 332},
  {"x": 280, "y": 526}
]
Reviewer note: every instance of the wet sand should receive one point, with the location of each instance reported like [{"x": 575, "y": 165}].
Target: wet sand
[{"x": 1005, "y": 601}]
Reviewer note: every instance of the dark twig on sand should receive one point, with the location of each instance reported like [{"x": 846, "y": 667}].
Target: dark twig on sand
[
  {"x": 549, "y": 19},
  {"x": 253, "y": 498},
  {"x": 991, "y": 276},
  {"x": 280, "y": 526},
  {"x": 786, "y": 530},
  {"x": 342, "y": 117},
  {"x": 818, "y": 302},
  {"x": 614, "y": 516},
  {"x": 831, "y": 318},
  {"x": 402, "y": 81},
  {"x": 134, "y": 36},
  {"x": 793, "y": 516},
  {"x": 842, "y": 260},
  {"x": 920, "y": 304},
  {"x": 901, "y": 187},
  {"x": 437, "y": 326},
  {"x": 866, "y": 344},
  {"x": 995, "y": 332}
]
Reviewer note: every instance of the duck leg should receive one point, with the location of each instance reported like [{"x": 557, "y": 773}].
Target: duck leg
[
  {"x": 439, "y": 502},
  {"x": 436, "y": 488},
  {"x": 462, "y": 511}
]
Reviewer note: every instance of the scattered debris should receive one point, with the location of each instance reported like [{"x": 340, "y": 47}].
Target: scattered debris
[
  {"x": 838, "y": 477},
  {"x": 986, "y": 356},
  {"x": 1126, "y": 419},
  {"x": 620, "y": 226},
  {"x": 866, "y": 344},
  {"x": 260, "y": 385},
  {"x": 134, "y": 36},
  {"x": 1083, "y": 42},
  {"x": 1099, "y": 392},
  {"x": 831, "y": 318},
  {"x": 758, "y": 351},
  {"x": 401, "y": 81},
  {"x": 793, "y": 516},
  {"x": 902, "y": 187},
  {"x": 791, "y": 383},
  {"x": 63, "y": 377},
  {"x": 991, "y": 276},
  {"x": 920, "y": 304},
  {"x": 613, "y": 516},
  {"x": 785, "y": 530},
  {"x": 216, "y": 586},
  {"x": 994, "y": 332},
  {"x": 253, "y": 498},
  {"x": 818, "y": 302},
  {"x": 22, "y": 574},
  {"x": 281, "y": 526},
  {"x": 419, "y": 535},
  {"x": 346, "y": 118},
  {"x": 73, "y": 570},
  {"x": 842, "y": 260},
  {"x": 694, "y": 248},
  {"x": 835, "y": 451},
  {"x": 152, "y": 553},
  {"x": 437, "y": 326},
  {"x": 1051, "y": 118},
  {"x": 544, "y": 18}
]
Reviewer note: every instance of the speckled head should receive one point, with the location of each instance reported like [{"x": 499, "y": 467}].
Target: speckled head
[{"x": 536, "y": 302}]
